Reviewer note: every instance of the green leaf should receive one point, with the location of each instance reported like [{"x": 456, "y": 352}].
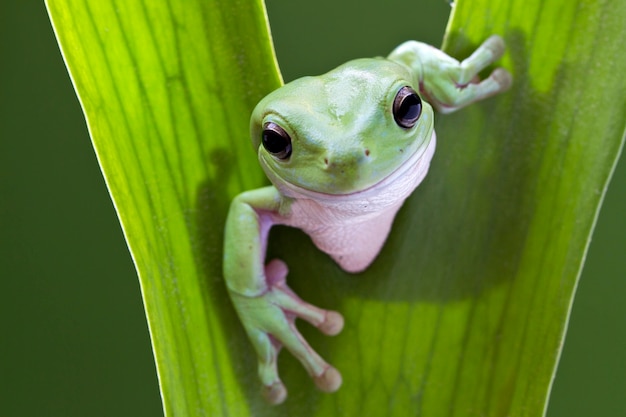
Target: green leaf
[
  {"x": 167, "y": 90},
  {"x": 464, "y": 311}
]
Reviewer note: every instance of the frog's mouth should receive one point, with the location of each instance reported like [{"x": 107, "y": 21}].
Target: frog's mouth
[{"x": 399, "y": 184}]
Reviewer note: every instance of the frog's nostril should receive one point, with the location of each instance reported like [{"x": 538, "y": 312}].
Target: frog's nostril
[{"x": 342, "y": 160}]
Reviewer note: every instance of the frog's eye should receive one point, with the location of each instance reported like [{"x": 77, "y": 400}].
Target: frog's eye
[
  {"x": 407, "y": 107},
  {"x": 276, "y": 141}
]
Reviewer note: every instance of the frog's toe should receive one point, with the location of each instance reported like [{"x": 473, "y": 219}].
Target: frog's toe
[
  {"x": 276, "y": 272},
  {"x": 502, "y": 78},
  {"x": 332, "y": 324},
  {"x": 275, "y": 393},
  {"x": 268, "y": 349},
  {"x": 326, "y": 377},
  {"x": 494, "y": 44},
  {"x": 329, "y": 381}
]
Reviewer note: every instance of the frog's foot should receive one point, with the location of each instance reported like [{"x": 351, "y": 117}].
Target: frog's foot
[
  {"x": 462, "y": 84},
  {"x": 270, "y": 323},
  {"x": 466, "y": 86}
]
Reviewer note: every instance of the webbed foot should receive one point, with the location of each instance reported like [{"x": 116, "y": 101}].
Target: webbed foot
[
  {"x": 269, "y": 319},
  {"x": 448, "y": 84},
  {"x": 467, "y": 87}
]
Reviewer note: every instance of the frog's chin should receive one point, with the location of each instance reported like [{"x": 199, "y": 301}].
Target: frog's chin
[{"x": 402, "y": 180}]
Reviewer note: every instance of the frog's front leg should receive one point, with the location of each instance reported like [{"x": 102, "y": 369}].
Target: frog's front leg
[
  {"x": 449, "y": 84},
  {"x": 266, "y": 306}
]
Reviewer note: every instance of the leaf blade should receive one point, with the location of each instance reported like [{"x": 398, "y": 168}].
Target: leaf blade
[{"x": 152, "y": 80}]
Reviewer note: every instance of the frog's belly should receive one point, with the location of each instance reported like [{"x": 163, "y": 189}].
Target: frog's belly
[
  {"x": 353, "y": 228},
  {"x": 354, "y": 242}
]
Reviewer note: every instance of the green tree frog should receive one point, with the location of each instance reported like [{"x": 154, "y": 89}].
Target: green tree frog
[{"x": 343, "y": 151}]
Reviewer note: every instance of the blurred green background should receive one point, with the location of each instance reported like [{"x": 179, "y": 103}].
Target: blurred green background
[{"x": 74, "y": 340}]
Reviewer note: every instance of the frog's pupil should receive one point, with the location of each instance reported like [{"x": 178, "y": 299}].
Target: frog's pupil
[
  {"x": 410, "y": 107},
  {"x": 276, "y": 141},
  {"x": 273, "y": 141}
]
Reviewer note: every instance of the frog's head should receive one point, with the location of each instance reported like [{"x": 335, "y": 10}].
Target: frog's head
[{"x": 343, "y": 131}]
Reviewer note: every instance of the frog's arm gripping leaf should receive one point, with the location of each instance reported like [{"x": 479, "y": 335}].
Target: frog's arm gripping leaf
[
  {"x": 266, "y": 305},
  {"x": 448, "y": 84}
]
